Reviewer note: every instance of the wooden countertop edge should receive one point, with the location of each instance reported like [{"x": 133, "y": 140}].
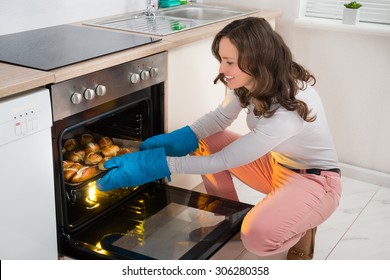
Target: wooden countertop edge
[{"x": 11, "y": 83}]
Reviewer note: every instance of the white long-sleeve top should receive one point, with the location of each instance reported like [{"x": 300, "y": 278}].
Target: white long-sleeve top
[{"x": 292, "y": 141}]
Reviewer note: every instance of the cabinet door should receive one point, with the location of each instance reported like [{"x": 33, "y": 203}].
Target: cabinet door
[{"x": 191, "y": 92}]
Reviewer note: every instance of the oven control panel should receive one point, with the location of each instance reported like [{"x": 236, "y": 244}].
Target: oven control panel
[
  {"x": 88, "y": 94},
  {"x": 82, "y": 93}
]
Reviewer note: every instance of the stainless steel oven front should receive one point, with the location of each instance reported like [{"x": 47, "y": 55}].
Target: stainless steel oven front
[{"x": 125, "y": 104}]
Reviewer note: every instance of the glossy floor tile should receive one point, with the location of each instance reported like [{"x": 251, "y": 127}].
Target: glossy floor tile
[
  {"x": 358, "y": 230},
  {"x": 368, "y": 237}
]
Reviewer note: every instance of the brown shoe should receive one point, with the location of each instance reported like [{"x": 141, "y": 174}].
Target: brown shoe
[{"x": 304, "y": 249}]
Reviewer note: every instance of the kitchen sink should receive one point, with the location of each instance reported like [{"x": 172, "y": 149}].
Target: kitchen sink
[{"x": 170, "y": 20}]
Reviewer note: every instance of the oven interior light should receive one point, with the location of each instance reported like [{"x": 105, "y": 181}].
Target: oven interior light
[
  {"x": 92, "y": 191},
  {"x": 92, "y": 195}
]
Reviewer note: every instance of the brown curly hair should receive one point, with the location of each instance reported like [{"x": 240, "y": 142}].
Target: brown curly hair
[{"x": 264, "y": 55}]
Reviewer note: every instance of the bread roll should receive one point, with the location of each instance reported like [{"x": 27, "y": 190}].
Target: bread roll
[
  {"x": 105, "y": 142},
  {"x": 84, "y": 174},
  {"x": 76, "y": 156},
  {"x": 71, "y": 170},
  {"x": 110, "y": 151},
  {"x": 86, "y": 138},
  {"x": 92, "y": 159},
  {"x": 67, "y": 164},
  {"x": 101, "y": 163},
  {"x": 91, "y": 147},
  {"x": 70, "y": 144}
]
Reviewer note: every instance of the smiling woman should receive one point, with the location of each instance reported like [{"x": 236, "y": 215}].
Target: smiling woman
[{"x": 288, "y": 154}]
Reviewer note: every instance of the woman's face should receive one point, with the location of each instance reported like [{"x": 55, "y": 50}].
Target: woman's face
[{"x": 234, "y": 76}]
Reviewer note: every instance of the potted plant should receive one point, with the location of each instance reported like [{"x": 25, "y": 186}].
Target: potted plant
[{"x": 351, "y": 12}]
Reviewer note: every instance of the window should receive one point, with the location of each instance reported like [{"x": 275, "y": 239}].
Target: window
[{"x": 374, "y": 11}]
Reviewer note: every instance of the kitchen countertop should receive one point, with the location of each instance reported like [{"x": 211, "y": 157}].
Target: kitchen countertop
[{"x": 16, "y": 79}]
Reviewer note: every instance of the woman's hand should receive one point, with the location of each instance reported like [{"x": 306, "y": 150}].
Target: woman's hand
[
  {"x": 134, "y": 169},
  {"x": 177, "y": 143}
]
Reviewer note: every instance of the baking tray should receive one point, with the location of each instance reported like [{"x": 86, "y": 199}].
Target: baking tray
[{"x": 122, "y": 143}]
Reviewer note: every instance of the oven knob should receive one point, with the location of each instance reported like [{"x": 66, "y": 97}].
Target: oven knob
[
  {"x": 153, "y": 72},
  {"x": 145, "y": 75},
  {"x": 101, "y": 90},
  {"x": 76, "y": 98},
  {"x": 134, "y": 78},
  {"x": 89, "y": 94}
]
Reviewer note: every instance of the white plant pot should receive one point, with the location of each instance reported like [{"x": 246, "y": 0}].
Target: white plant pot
[{"x": 351, "y": 16}]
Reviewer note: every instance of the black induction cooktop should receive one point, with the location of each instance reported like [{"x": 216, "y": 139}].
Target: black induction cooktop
[{"x": 57, "y": 46}]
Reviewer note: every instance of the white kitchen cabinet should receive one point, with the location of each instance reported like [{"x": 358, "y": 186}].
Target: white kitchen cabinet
[
  {"x": 190, "y": 88},
  {"x": 27, "y": 210}
]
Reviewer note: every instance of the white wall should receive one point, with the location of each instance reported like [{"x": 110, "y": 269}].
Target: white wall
[
  {"x": 352, "y": 73},
  {"x": 21, "y": 15}
]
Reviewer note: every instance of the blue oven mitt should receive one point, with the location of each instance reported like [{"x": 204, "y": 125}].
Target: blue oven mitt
[
  {"x": 177, "y": 143},
  {"x": 134, "y": 169}
]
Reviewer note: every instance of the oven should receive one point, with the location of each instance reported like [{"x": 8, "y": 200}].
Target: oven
[{"x": 125, "y": 104}]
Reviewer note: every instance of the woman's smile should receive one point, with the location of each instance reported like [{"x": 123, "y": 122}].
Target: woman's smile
[{"x": 228, "y": 78}]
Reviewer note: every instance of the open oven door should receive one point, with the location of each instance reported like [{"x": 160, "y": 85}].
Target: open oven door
[
  {"x": 151, "y": 221},
  {"x": 159, "y": 222}
]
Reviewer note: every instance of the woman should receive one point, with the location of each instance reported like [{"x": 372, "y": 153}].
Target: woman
[{"x": 288, "y": 153}]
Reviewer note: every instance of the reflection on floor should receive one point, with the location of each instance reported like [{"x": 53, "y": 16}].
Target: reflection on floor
[{"x": 358, "y": 230}]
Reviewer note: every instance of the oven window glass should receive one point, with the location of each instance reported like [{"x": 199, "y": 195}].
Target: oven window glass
[
  {"x": 159, "y": 223},
  {"x": 167, "y": 234}
]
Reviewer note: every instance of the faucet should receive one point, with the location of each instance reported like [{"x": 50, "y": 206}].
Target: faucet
[{"x": 151, "y": 7}]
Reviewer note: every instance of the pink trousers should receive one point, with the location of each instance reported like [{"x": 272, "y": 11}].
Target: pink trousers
[{"x": 295, "y": 202}]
